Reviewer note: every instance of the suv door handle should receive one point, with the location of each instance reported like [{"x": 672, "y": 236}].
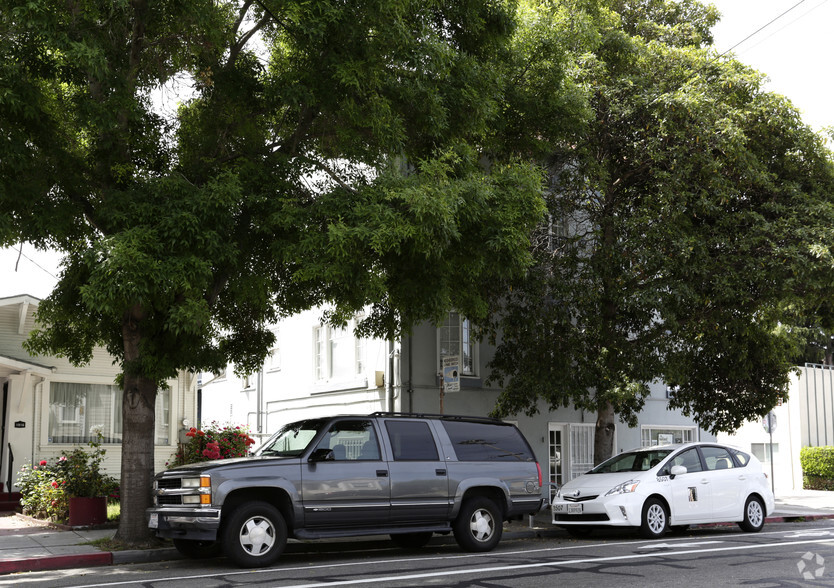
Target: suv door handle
[
  {"x": 382, "y": 473},
  {"x": 440, "y": 472}
]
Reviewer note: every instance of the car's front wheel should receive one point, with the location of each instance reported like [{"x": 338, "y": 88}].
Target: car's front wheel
[
  {"x": 754, "y": 515},
  {"x": 255, "y": 534},
  {"x": 479, "y": 525},
  {"x": 655, "y": 519}
]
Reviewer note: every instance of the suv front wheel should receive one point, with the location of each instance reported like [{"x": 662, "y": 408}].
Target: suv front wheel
[
  {"x": 255, "y": 535},
  {"x": 479, "y": 525}
]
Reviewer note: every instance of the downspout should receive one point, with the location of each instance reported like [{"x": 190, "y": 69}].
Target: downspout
[
  {"x": 390, "y": 382},
  {"x": 410, "y": 379},
  {"x": 259, "y": 398}
]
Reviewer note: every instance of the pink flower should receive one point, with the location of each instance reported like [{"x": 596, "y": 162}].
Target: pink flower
[
  {"x": 54, "y": 484},
  {"x": 43, "y": 462}
]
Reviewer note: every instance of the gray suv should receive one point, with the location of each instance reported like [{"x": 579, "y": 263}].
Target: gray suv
[{"x": 403, "y": 475}]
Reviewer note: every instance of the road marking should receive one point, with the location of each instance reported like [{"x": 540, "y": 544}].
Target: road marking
[
  {"x": 675, "y": 545},
  {"x": 810, "y": 534},
  {"x": 470, "y": 571}
]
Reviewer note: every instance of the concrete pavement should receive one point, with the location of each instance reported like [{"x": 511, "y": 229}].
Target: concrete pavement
[{"x": 30, "y": 545}]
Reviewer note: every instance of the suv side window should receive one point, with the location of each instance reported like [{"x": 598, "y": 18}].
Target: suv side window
[
  {"x": 411, "y": 441},
  {"x": 351, "y": 440},
  {"x": 487, "y": 442}
]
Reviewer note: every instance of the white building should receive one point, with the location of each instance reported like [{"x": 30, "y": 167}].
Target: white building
[{"x": 316, "y": 370}]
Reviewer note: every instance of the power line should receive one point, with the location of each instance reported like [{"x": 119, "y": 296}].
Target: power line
[{"x": 760, "y": 29}]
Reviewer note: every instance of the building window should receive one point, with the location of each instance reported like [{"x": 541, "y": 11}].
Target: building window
[
  {"x": 338, "y": 355},
  {"x": 455, "y": 338},
  {"x": 660, "y": 435},
  {"x": 762, "y": 451},
  {"x": 76, "y": 411},
  {"x": 273, "y": 361},
  {"x": 319, "y": 355}
]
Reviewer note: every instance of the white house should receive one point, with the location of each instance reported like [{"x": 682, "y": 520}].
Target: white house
[
  {"x": 49, "y": 406},
  {"x": 316, "y": 370},
  {"x": 806, "y": 419}
]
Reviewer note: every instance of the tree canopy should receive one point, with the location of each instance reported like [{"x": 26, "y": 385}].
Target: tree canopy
[
  {"x": 688, "y": 221},
  {"x": 328, "y": 152}
]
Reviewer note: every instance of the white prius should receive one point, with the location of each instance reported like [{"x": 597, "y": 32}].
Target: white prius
[{"x": 667, "y": 487}]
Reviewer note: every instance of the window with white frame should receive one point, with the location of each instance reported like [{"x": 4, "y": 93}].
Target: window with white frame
[
  {"x": 652, "y": 435},
  {"x": 337, "y": 354},
  {"x": 77, "y": 410},
  {"x": 273, "y": 361},
  {"x": 455, "y": 338}
]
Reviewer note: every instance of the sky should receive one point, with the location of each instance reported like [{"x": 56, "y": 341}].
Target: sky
[{"x": 794, "y": 52}]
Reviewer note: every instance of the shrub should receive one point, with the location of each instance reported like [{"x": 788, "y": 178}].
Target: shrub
[
  {"x": 45, "y": 489},
  {"x": 817, "y": 467},
  {"x": 214, "y": 442}
]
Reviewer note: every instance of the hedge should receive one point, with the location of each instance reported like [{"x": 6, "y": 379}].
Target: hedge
[{"x": 817, "y": 467}]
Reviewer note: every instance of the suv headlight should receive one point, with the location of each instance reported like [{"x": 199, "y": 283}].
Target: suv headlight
[{"x": 624, "y": 488}]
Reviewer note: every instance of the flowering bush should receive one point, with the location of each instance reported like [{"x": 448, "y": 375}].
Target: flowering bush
[
  {"x": 42, "y": 491},
  {"x": 45, "y": 489},
  {"x": 214, "y": 442}
]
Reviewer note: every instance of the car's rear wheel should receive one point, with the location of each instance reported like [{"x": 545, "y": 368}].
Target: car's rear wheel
[
  {"x": 655, "y": 519},
  {"x": 254, "y": 535},
  {"x": 479, "y": 525},
  {"x": 411, "y": 540},
  {"x": 754, "y": 515},
  {"x": 198, "y": 549}
]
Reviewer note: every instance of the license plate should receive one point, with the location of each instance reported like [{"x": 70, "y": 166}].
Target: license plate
[
  {"x": 574, "y": 509},
  {"x": 153, "y": 522}
]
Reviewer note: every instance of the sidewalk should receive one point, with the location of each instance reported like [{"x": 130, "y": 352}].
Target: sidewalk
[{"x": 30, "y": 545}]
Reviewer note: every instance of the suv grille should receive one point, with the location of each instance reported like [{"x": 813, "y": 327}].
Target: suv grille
[{"x": 168, "y": 483}]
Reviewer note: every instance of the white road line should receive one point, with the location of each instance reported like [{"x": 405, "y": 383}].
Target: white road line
[{"x": 478, "y": 570}]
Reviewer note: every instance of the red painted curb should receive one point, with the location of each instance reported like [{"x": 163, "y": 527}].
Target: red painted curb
[{"x": 56, "y": 562}]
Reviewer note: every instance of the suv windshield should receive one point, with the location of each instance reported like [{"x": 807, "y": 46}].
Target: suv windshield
[
  {"x": 292, "y": 439},
  {"x": 632, "y": 461}
]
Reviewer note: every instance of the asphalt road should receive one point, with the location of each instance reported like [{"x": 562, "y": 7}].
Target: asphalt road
[{"x": 788, "y": 554}]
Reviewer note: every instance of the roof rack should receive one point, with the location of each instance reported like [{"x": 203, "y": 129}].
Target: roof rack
[{"x": 447, "y": 417}]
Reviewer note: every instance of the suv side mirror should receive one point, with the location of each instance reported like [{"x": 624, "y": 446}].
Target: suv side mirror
[
  {"x": 321, "y": 454},
  {"x": 677, "y": 470}
]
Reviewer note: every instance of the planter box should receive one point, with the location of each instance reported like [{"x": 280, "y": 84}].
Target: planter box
[{"x": 87, "y": 511}]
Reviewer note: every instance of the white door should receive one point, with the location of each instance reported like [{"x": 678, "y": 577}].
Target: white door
[
  {"x": 570, "y": 452},
  {"x": 691, "y": 492}
]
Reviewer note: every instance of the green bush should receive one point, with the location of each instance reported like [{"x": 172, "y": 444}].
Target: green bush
[
  {"x": 45, "y": 489},
  {"x": 817, "y": 467}
]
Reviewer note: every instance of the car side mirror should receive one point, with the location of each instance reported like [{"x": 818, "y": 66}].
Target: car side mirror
[
  {"x": 677, "y": 470},
  {"x": 321, "y": 454}
]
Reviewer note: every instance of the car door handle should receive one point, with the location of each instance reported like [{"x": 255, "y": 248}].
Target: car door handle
[
  {"x": 440, "y": 472},
  {"x": 382, "y": 473}
]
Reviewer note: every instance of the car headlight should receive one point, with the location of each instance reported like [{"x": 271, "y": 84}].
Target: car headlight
[{"x": 624, "y": 488}]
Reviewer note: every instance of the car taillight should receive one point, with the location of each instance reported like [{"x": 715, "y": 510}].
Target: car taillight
[{"x": 539, "y": 468}]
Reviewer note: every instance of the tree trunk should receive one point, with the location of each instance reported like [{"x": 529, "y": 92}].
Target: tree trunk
[
  {"x": 139, "y": 401},
  {"x": 604, "y": 432}
]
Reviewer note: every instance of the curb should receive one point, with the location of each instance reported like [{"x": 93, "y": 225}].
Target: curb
[{"x": 55, "y": 562}]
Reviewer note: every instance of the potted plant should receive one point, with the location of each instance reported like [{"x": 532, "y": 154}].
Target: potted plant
[{"x": 85, "y": 484}]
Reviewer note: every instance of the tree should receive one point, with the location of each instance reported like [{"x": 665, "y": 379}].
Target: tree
[
  {"x": 328, "y": 153},
  {"x": 686, "y": 226}
]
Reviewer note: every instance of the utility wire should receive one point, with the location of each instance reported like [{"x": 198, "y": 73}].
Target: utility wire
[{"x": 760, "y": 29}]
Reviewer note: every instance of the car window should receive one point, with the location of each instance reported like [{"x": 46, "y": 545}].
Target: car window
[
  {"x": 742, "y": 458},
  {"x": 351, "y": 440},
  {"x": 717, "y": 458},
  {"x": 487, "y": 442},
  {"x": 411, "y": 441},
  {"x": 632, "y": 461},
  {"x": 688, "y": 459}
]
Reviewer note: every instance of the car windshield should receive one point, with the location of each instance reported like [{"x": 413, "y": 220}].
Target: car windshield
[
  {"x": 632, "y": 461},
  {"x": 293, "y": 439}
]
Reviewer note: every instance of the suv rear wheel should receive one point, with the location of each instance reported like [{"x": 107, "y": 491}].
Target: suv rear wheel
[
  {"x": 479, "y": 525},
  {"x": 254, "y": 535}
]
